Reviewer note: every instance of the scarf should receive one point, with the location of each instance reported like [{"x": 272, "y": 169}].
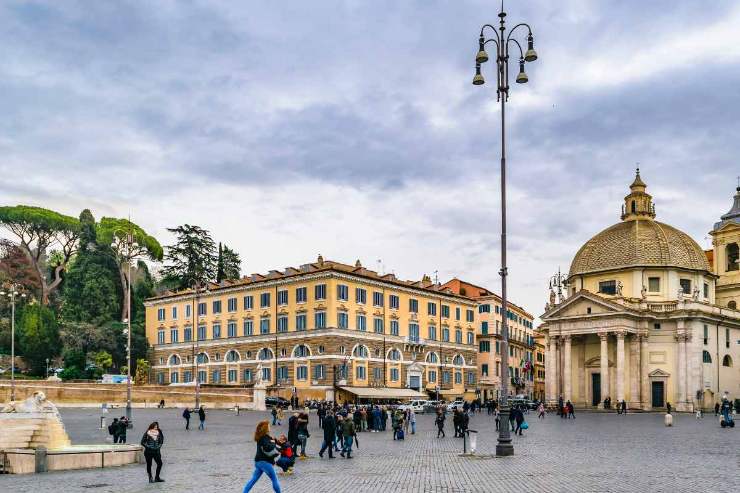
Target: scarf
[{"x": 153, "y": 434}]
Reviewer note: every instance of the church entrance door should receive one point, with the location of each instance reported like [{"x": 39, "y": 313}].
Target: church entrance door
[
  {"x": 658, "y": 394},
  {"x": 595, "y": 389}
]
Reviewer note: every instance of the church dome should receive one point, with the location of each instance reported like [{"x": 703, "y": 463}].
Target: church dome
[{"x": 639, "y": 241}]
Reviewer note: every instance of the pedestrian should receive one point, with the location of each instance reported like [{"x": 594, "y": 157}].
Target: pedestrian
[
  {"x": 384, "y": 418},
  {"x": 186, "y": 416},
  {"x": 541, "y": 410},
  {"x": 264, "y": 458},
  {"x": 519, "y": 419},
  {"x": 286, "y": 461},
  {"x": 293, "y": 431},
  {"x": 152, "y": 442},
  {"x": 457, "y": 422},
  {"x": 122, "y": 428},
  {"x": 113, "y": 430},
  {"x": 624, "y": 406},
  {"x": 406, "y": 420},
  {"x": 412, "y": 419},
  {"x": 668, "y": 407},
  {"x": 339, "y": 439},
  {"x": 363, "y": 419},
  {"x": 560, "y": 405},
  {"x": 716, "y": 409},
  {"x": 281, "y": 415},
  {"x": 498, "y": 418},
  {"x": 440, "y": 422},
  {"x": 377, "y": 416},
  {"x": 571, "y": 409},
  {"x": 321, "y": 414},
  {"x": 330, "y": 432},
  {"x": 161, "y": 404},
  {"x": 303, "y": 434},
  {"x": 202, "y": 418},
  {"x": 274, "y": 415},
  {"x": 512, "y": 418},
  {"x": 348, "y": 432}
]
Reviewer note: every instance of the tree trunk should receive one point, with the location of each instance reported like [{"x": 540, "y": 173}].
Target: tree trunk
[{"x": 45, "y": 290}]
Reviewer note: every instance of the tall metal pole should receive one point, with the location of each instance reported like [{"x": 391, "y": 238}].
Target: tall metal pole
[
  {"x": 129, "y": 245},
  {"x": 197, "y": 347},
  {"x": 12, "y": 343}
]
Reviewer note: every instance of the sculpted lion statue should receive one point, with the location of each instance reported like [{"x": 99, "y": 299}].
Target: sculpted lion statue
[{"x": 37, "y": 403}]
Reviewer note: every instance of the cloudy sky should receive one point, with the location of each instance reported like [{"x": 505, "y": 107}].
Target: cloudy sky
[{"x": 351, "y": 128}]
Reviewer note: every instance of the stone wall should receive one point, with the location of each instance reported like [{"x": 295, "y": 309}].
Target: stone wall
[{"x": 69, "y": 394}]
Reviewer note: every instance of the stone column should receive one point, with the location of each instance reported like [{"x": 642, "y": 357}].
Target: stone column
[
  {"x": 620, "y": 366},
  {"x": 644, "y": 380},
  {"x": 681, "y": 372},
  {"x": 566, "y": 370},
  {"x": 634, "y": 367},
  {"x": 604, "y": 360},
  {"x": 548, "y": 358},
  {"x": 553, "y": 377}
]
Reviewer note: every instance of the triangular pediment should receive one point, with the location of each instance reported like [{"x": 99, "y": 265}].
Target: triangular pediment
[
  {"x": 658, "y": 373},
  {"x": 580, "y": 303}
]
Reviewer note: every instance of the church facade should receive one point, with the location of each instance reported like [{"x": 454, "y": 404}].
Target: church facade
[{"x": 650, "y": 317}]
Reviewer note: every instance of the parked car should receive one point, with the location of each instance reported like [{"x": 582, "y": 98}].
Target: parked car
[
  {"x": 457, "y": 403},
  {"x": 276, "y": 401},
  {"x": 416, "y": 405}
]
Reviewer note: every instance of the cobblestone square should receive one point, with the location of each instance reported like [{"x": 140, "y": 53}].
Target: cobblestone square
[{"x": 595, "y": 452}]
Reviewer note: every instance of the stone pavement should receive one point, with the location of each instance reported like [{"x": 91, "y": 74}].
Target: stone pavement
[{"x": 595, "y": 452}]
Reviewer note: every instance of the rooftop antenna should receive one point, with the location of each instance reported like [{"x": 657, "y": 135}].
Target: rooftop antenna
[{"x": 436, "y": 277}]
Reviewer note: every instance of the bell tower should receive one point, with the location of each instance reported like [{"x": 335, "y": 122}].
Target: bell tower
[{"x": 638, "y": 204}]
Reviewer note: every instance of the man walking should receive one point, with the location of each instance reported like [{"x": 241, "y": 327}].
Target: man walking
[
  {"x": 202, "y": 418},
  {"x": 186, "y": 416},
  {"x": 348, "y": 431},
  {"x": 440, "y": 422},
  {"x": 330, "y": 429}
]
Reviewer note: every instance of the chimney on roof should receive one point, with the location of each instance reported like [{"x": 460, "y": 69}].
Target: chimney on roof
[
  {"x": 320, "y": 260},
  {"x": 305, "y": 267},
  {"x": 358, "y": 263}
]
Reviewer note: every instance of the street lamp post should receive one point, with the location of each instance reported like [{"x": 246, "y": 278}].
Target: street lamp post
[
  {"x": 558, "y": 282},
  {"x": 12, "y": 293},
  {"x": 503, "y": 41}
]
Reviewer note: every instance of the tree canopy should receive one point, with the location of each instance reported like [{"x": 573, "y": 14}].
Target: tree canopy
[{"x": 191, "y": 259}]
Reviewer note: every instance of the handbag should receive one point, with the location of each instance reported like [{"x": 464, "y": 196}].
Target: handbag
[{"x": 525, "y": 426}]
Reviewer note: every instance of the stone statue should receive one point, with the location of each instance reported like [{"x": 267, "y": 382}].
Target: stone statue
[
  {"x": 547, "y": 306},
  {"x": 37, "y": 403},
  {"x": 620, "y": 286},
  {"x": 680, "y": 294},
  {"x": 552, "y": 297},
  {"x": 258, "y": 374},
  {"x": 695, "y": 295},
  {"x": 643, "y": 292}
]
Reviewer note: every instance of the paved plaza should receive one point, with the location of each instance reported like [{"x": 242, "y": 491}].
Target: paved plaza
[{"x": 595, "y": 452}]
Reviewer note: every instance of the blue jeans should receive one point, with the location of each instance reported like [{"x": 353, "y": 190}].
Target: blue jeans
[
  {"x": 348, "y": 445},
  {"x": 202, "y": 425},
  {"x": 260, "y": 468},
  {"x": 413, "y": 427},
  {"x": 376, "y": 423}
]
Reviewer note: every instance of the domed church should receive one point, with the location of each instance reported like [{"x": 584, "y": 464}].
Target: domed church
[{"x": 649, "y": 317}]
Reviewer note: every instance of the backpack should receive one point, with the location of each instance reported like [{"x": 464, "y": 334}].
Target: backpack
[
  {"x": 399, "y": 435},
  {"x": 111, "y": 429}
]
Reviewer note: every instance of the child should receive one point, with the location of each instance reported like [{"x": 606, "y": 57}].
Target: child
[{"x": 287, "y": 457}]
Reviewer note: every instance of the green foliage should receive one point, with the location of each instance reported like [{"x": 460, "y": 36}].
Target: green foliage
[
  {"x": 228, "y": 265},
  {"x": 142, "y": 371},
  {"x": 191, "y": 259},
  {"x": 36, "y": 219},
  {"x": 92, "y": 292},
  {"x": 103, "y": 360},
  {"x": 38, "y": 337},
  {"x": 113, "y": 231}
]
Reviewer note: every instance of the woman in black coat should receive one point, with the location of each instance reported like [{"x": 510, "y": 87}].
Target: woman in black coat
[{"x": 152, "y": 442}]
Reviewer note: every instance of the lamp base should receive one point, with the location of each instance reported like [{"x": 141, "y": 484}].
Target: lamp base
[{"x": 504, "y": 449}]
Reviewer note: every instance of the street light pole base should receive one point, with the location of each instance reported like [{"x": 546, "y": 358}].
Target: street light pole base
[{"x": 504, "y": 449}]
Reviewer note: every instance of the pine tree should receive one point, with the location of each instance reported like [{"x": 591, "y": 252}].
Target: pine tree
[
  {"x": 231, "y": 264},
  {"x": 191, "y": 259},
  {"x": 220, "y": 274}
]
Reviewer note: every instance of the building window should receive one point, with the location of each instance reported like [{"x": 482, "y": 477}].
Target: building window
[
  {"x": 302, "y": 372},
  {"x": 231, "y": 305},
  {"x": 174, "y": 335},
  {"x": 471, "y": 338},
  {"x": 432, "y": 376},
  {"x": 232, "y": 356},
  {"x": 202, "y": 310},
  {"x": 201, "y": 332},
  {"x": 264, "y": 300},
  {"x": 413, "y": 305},
  {"x": 432, "y": 358},
  {"x": 282, "y": 323},
  {"x": 484, "y": 328},
  {"x": 394, "y": 375},
  {"x": 377, "y": 374},
  {"x": 342, "y": 320},
  {"x": 188, "y": 311},
  {"x": 282, "y": 297},
  {"x": 498, "y": 368},
  {"x": 247, "y": 375},
  {"x": 301, "y": 351},
  {"x": 457, "y": 313},
  {"x": 300, "y": 295},
  {"x": 727, "y": 360},
  {"x": 471, "y": 378},
  {"x": 319, "y": 372},
  {"x": 445, "y": 334},
  {"x": 174, "y": 377},
  {"x": 484, "y": 308},
  {"x": 654, "y": 284},
  {"x": 248, "y": 328},
  {"x": 608, "y": 287},
  {"x": 319, "y": 292},
  {"x": 232, "y": 375},
  {"x": 432, "y": 332},
  {"x": 733, "y": 255},
  {"x": 319, "y": 320},
  {"x": 732, "y": 305},
  {"x": 160, "y": 378},
  {"x": 498, "y": 347},
  {"x": 264, "y": 325},
  {"x": 458, "y": 336},
  {"x": 160, "y": 314},
  {"x": 706, "y": 290},
  {"x": 446, "y": 377},
  {"x": 445, "y": 311},
  {"x": 248, "y": 302},
  {"x": 727, "y": 338},
  {"x": 361, "y": 323},
  {"x": 469, "y": 316},
  {"x": 160, "y": 337},
  {"x": 656, "y": 326},
  {"x": 394, "y": 355},
  {"x": 431, "y": 308},
  {"x": 414, "y": 332},
  {"x": 342, "y": 350},
  {"x": 187, "y": 376},
  {"x": 216, "y": 330},
  {"x": 394, "y": 327},
  {"x": 378, "y": 325},
  {"x": 266, "y": 374},
  {"x": 300, "y": 322},
  {"x": 686, "y": 286},
  {"x": 394, "y": 302},
  {"x": 706, "y": 357},
  {"x": 231, "y": 329},
  {"x": 360, "y": 371},
  {"x": 217, "y": 306},
  {"x": 342, "y": 292},
  {"x": 174, "y": 313},
  {"x": 282, "y": 373},
  {"x": 202, "y": 376},
  {"x": 484, "y": 346},
  {"x": 360, "y": 296},
  {"x": 188, "y": 334},
  {"x": 216, "y": 376},
  {"x": 264, "y": 354},
  {"x": 706, "y": 335},
  {"x": 377, "y": 298}
]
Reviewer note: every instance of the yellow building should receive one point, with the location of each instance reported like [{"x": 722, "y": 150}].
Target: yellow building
[
  {"x": 322, "y": 328},
  {"x": 643, "y": 321},
  {"x": 726, "y": 256},
  {"x": 539, "y": 368},
  {"x": 489, "y": 334}
]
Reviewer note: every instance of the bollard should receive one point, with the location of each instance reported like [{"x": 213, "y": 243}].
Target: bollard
[
  {"x": 473, "y": 440},
  {"x": 102, "y": 422},
  {"x": 668, "y": 420}
]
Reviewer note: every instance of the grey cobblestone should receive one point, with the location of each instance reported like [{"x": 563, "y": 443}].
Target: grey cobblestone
[{"x": 595, "y": 452}]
